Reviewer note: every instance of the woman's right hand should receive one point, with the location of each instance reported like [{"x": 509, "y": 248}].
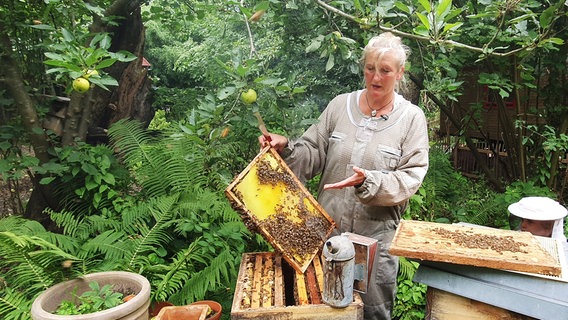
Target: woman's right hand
[{"x": 278, "y": 142}]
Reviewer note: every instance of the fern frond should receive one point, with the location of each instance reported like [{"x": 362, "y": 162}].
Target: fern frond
[
  {"x": 14, "y": 305},
  {"x": 18, "y": 224},
  {"x": 32, "y": 263},
  {"x": 112, "y": 244},
  {"x": 407, "y": 268},
  {"x": 156, "y": 236},
  {"x": 176, "y": 273},
  {"x": 207, "y": 206},
  {"x": 66, "y": 220},
  {"x": 131, "y": 139},
  {"x": 220, "y": 268},
  {"x": 141, "y": 154},
  {"x": 186, "y": 162}
]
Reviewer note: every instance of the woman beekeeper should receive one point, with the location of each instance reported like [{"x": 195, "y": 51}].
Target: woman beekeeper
[{"x": 540, "y": 216}]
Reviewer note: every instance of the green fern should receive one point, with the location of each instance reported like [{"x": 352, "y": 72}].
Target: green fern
[
  {"x": 14, "y": 305},
  {"x": 179, "y": 229},
  {"x": 407, "y": 268},
  {"x": 218, "y": 270},
  {"x": 32, "y": 263},
  {"x": 141, "y": 154},
  {"x": 155, "y": 236}
]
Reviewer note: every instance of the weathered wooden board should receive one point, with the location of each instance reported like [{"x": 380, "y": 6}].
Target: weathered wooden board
[
  {"x": 442, "y": 305},
  {"x": 476, "y": 246},
  {"x": 272, "y": 201},
  {"x": 262, "y": 289}
]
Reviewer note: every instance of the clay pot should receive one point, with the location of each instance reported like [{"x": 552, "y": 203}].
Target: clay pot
[
  {"x": 189, "y": 312},
  {"x": 134, "y": 309},
  {"x": 214, "y": 305},
  {"x": 157, "y": 306}
]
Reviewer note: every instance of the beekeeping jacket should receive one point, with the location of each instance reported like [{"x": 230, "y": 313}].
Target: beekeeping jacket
[{"x": 393, "y": 151}]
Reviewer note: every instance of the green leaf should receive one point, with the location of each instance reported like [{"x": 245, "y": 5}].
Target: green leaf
[
  {"x": 124, "y": 56},
  {"x": 109, "y": 178},
  {"x": 426, "y": 5},
  {"x": 315, "y": 44},
  {"x": 92, "y": 58},
  {"x": 330, "y": 62},
  {"x": 225, "y": 92},
  {"x": 424, "y": 20},
  {"x": 106, "y": 63},
  {"x": 402, "y": 7},
  {"x": 47, "y": 180},
  {"x": 452, "y": 26},
  {"x": 358, "y": 5},
  {"x": 105, "y": 41},
  {"x": 443, "y": 8},
  {"x": 271, "y": 81},
  {"x": 56, "y": 56},
  {"x": 58, "y": 63},
  {"x": 547, "y": 16},
  {"x": 104, "y": 81},
  {"x": 67, "y": 35},
  {"x": 43, "y": 27}
]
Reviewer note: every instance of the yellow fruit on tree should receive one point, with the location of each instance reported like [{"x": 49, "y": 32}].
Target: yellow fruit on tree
[
  {"x": 249, "y": 96},
  {"x": 90, "y": 72},
  {"x": 81, "y": 85}
]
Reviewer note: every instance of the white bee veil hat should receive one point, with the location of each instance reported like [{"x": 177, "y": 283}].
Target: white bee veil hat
[{"x": 538, "y": 208}]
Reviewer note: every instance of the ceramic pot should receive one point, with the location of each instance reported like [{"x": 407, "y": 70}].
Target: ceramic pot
[{"x": 134, "y": 309}]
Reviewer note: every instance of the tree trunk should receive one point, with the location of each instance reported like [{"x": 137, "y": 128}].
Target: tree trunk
[
  {"x": 96, "y": 110},
  {"x": 13, "y": 79}
]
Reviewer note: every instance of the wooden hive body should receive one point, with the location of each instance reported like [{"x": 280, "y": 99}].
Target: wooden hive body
[{"x": 269, "y": 288}]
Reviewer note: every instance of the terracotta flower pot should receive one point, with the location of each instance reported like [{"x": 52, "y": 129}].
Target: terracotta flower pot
[
  {"x": 134, "y": 309},
  {"x": 214, "y": 305},
  {"x": 157, "y": 306},
  {"x": 188, "y": 312}
]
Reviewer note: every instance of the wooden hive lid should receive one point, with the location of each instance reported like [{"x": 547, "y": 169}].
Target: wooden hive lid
[{"x": 475, "y": 246}]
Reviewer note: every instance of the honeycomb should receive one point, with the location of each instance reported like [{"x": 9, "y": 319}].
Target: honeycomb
[{"x": 272, "y": 201}]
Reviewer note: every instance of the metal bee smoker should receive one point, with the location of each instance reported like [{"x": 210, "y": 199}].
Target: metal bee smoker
[{"x": 338, "y": 271}]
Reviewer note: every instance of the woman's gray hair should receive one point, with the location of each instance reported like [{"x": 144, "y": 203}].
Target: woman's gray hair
[{"x": 385, "y": 42}]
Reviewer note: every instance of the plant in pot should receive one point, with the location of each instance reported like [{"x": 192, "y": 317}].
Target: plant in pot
[{"x": 95, "y": 289}]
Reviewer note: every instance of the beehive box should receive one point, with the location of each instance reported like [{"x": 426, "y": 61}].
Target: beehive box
[
  {"x": 269, "y": 288},
  {"x": 272, "y": 201}
]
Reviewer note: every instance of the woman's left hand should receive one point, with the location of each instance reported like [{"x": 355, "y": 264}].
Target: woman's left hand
[{"x": 356, "y": 179}]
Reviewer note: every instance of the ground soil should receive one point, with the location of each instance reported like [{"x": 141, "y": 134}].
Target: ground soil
[{"x": 14, "y": 196}]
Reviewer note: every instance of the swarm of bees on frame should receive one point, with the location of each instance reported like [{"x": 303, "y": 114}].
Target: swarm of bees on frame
[
  {"x": 296, "y": 238},
  {"x": 268, "y": 175}
]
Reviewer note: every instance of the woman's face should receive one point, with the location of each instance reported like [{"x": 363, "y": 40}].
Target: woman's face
[{"x": 381, "y": 75}]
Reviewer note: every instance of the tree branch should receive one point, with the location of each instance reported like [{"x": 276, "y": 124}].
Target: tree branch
[
  {"x": 449, "y": 43},
  {"x": 12, "y": 77}
]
